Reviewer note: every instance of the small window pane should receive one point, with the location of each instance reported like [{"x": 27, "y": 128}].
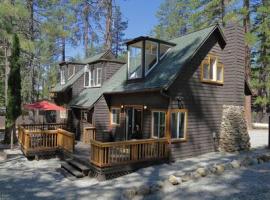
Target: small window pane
[
  {"x": 174, "y": 125},
  {"x": 205, "y": 71},
  {"x": 115, "y": 116},
  {"x": 98, "y": 76},
  {"x": 62, "y": 76},
  {"x": 151, "y": 49},
  {"x": 181, "y": 124},
  {"x": 155, "y": 125},
  {"x": 162, "y": 123},
  {"x": 135, "y": 61},
  {"x": 92, "y": 78},
  {"x": 86, "y": 78},
  {"x": 212, "y": 66},
  {"x": 163, "y": 49},
  {"x": 219, "y": 73}
]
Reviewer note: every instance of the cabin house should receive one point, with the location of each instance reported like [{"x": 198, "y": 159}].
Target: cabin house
[{"x": 167, "y": 99}]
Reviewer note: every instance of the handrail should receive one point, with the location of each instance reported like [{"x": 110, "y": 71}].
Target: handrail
[
  {"x": 125, "y": 152},
  {"x": 43, "y": 141},
  {"x": 46, "y": 126},
  {"x": 140, "y": 141}
]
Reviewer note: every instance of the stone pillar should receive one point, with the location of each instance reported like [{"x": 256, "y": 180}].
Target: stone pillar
[{"x": 233, "y": 134}]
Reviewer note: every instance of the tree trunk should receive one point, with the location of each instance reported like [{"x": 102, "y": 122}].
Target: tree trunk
[
  {"x": 8, "y": 131},
  {"x": 108, "y": 33},
  {"x": 86, "y": 11},
  {"x": 63, "y": 48}
]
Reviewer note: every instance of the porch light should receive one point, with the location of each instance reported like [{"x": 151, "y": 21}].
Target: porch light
[
  {"x": 180, "y": 102},
  {"x": 122, "y": 106},
  {"x": 144, "y": 107}
]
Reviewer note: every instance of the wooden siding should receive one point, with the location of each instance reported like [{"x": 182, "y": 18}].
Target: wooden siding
[{"x": 204, "y": 101}]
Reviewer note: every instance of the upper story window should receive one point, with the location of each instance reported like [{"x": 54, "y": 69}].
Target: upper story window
[
  {"x": 212, "y": 71},
  {"x": 144, "y": 53},
  {"x": 151, "y": 55},
  {"x": 71, "y": 71},
  {"x": 62, "y": 77},
  {"x": 163, "y": 49},
  {"x": 92, "y": 77},
  {"x": 135, "y": 61}
]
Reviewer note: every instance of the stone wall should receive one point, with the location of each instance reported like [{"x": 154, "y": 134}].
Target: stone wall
[{"x": 233, "y": 134}]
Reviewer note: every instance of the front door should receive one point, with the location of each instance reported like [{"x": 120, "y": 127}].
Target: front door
[{"x": 133, "y": 123}]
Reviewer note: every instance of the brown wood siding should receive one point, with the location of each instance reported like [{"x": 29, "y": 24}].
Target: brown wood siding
[
  {"x": 204, "y": 101},
  {"x": 153, "y": 100},
  {"x": 102, "y": 120},
  {"x": 78, "y": 86}
]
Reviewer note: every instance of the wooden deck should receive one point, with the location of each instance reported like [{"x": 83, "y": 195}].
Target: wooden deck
[
  {"x": 44, "y": 139},
  {"x": 102, "y": 157}
]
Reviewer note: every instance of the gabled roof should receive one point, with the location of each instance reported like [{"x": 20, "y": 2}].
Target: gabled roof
[
  {"x": 161, "y": 77},
  {"x": 60, "y": 88},
  {"x": 169, "y": 68}
]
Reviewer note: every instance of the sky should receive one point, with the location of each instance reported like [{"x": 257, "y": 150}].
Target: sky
[{"x": 141, "y": 19}]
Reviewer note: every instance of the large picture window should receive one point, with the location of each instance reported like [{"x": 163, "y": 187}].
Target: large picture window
[
  {"x": 212, "y": 70},
  {"x": 158, "y": 124},
  {"x": 135, "y": 61},
  {"x": 178, "y": 121}
]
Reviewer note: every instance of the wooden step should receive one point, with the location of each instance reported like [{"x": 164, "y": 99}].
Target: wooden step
[
  {"x": 66, "y": 174},
  {"x": 78, "y": 165},
  {"x": 72, "y": 170}
]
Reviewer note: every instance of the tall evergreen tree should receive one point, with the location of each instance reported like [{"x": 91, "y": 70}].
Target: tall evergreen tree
[
  {"x": 118, "y": 28},
  {"x": 13, "y": 110}
]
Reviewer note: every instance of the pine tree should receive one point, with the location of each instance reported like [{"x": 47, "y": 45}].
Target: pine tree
[
  {"x": 119, "y": 26},
  {"x": 13, "y": 110}
]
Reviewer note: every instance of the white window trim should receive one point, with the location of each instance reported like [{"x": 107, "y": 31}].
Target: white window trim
[
  {"x": 157, "y": 55},
  {"x": 178, "y": 120},
  {"x": 62, "y": 77},
  {"x": 159, "y": 58},
  {"x": 86, "y": 69},
  {"x": 128, "y": 77},
  {"x": 152, "y": 131},
  {"x": 113, "y": 123},
  {"x": 97, "y": 70},
  {"x": 73, "y": 73}
]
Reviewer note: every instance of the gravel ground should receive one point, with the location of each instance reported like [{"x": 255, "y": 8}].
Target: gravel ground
[
  {"x": 258, "y": 138},
  {"x": 23, "y": 179}
]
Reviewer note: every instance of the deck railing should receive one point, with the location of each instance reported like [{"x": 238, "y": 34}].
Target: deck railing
[
  {"x": 89, "y": 133},
  {"x": 125, "y": 152},
  {"x": 34, "y": 142},
  {"x": 52, "y": 126}
]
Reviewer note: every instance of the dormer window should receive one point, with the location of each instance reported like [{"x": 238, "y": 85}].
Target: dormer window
[
  {"x": 151, "y": 55},
  {"x": 62, "y": 77},
  {"x": 92, "y": 77},
  {"x": 135, "y": 61},
  {"x": 144, "y": 53},
  {"x": 71, "y": 71}
]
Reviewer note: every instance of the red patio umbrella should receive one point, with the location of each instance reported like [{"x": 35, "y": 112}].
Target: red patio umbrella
[{"x": 43, "y": 105}]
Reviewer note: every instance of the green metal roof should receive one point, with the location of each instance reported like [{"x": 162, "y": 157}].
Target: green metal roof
[
  {"x": 69, "y": 82},
  {"x": 166, "y": 71}
]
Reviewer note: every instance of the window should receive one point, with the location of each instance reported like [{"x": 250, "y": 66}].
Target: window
[
  {"x": 178, "y": 120},
  {"x": 158, "y": 124},
  {"x": 86, "y": 77},
  {"x": 93, "y": 77},
  {"x": 151, "y": 55},
  {"x": 62, "y": 76},
  {"x": 135, "y": 60},
  {"x": 115, "y": 116},
  {"x": 212, "y": 70},
  {"x": 71, "y": 71},
  {"x": 98, "y": 77},
  {"x": 163, "y": 48}
]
